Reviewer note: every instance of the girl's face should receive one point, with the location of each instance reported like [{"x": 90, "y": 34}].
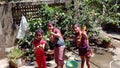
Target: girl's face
[
  {"x": 38, "y": 36},
  {"x": 76, "y": 29},
  {"x": 50, "y": 26}
]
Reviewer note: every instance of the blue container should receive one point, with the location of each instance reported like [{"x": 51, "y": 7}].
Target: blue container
[
  {"x": 76, "y": 59},
  {"x": 71, "y": 64}
]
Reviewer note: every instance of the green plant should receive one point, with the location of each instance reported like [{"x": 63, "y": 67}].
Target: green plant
[
  {"x": 106, "y": 40},
  {"x": 14, "y": 54},
  {"x": 95, "y": 13},
  {"x": 91, "y": 13}
]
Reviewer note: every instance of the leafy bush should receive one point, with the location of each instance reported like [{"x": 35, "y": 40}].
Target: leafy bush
[
  {"x": 90, "y": 13},
  {"x": 106, "y": 40},
  {"x": 15, "y": 54},
  {"x": 46, "y": 13}
]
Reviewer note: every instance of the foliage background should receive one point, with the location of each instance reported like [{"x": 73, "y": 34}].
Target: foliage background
[{"x": 89, "y": 13}]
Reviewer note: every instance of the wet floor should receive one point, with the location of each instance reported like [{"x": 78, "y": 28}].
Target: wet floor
[{"x": 100, "y": 59}]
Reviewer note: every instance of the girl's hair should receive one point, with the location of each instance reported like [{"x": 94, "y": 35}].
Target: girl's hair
[
  {"x": 76, "y": 24},
  {"x": 39, "y": 31},
  {"x": 51, "y": 22}
]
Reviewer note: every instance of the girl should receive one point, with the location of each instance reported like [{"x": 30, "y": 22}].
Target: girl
[
  {"x": 59, "y": 45},
  {"x": 39, "y": 44},
  {"x": 82, "y": 43}
]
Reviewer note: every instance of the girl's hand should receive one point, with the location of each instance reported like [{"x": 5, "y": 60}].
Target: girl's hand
[
  {"x": 53, "y": 33},
  {"x": 38, "y": 47},
  {"x": 84, "y": 30},
  {"x": 49, "y": 32}
]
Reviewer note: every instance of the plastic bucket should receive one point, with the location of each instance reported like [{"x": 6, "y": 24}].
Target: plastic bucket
[{"x": 71, "y": 64}]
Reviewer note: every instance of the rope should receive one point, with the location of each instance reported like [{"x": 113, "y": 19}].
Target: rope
[{"x": 112, "y": 62}]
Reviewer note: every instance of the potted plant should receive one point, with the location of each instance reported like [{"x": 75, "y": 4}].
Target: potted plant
[
  {"x": 106, "y": 42},
  {"x": 15, "y": 57}
]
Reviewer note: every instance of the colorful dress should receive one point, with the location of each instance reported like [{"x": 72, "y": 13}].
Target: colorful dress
[
  {"x": 39, "y": 53},
  {"x": 84, "y": 48}
]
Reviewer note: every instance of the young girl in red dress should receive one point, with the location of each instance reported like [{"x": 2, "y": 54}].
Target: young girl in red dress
[
  {"x": 39, "y": 44},
  {"x": 82, "y": 43}
]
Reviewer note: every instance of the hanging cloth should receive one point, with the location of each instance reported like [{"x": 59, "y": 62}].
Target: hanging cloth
[{"x": 22, "y": 28}]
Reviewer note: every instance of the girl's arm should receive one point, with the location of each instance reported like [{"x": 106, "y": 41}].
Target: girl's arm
[
  {"x": 32, "y": 43},
  {"x": 46, "y": 47},
  {"x": 51, "y": 37},
  {"x": 43, "y": 43},
  {"x": 77, "y": 41},
  {"x": 86, "y": 37},
  {"x": 84, "y": 34},
  {"x": 43, "y": 46},
  {"x": 57, "y": 34}
]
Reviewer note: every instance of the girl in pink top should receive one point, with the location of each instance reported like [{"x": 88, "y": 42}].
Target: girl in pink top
[
  {"x": 82, "y": 43},
  {"x": 59, "y": 45},
  {"x": 39, "y": 44}
]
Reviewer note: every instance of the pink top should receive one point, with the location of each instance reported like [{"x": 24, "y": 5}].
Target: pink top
[
  {"x": 56, "y": 30},
  {"x": 83, "y": 42}
]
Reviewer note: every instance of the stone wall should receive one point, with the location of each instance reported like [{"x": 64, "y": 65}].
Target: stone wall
[{"x": 7, "y": 30}]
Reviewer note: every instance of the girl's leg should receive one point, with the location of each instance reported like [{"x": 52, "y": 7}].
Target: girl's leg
[
  {"x": 83, "y": 61},
  {"x": 56, "y": 55},
  {"x": 88, "y": 62},
  {"x": 61, "y": 56},
  {"x": 89, "y": 54}
]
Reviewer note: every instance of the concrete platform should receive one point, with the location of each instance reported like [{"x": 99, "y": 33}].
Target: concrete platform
[{"x": 101, "y": 59}]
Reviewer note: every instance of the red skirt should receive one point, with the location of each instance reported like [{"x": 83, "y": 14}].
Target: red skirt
[
  {"x": 85, "y": 51},
  {"x": 40, "y": 58}
]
